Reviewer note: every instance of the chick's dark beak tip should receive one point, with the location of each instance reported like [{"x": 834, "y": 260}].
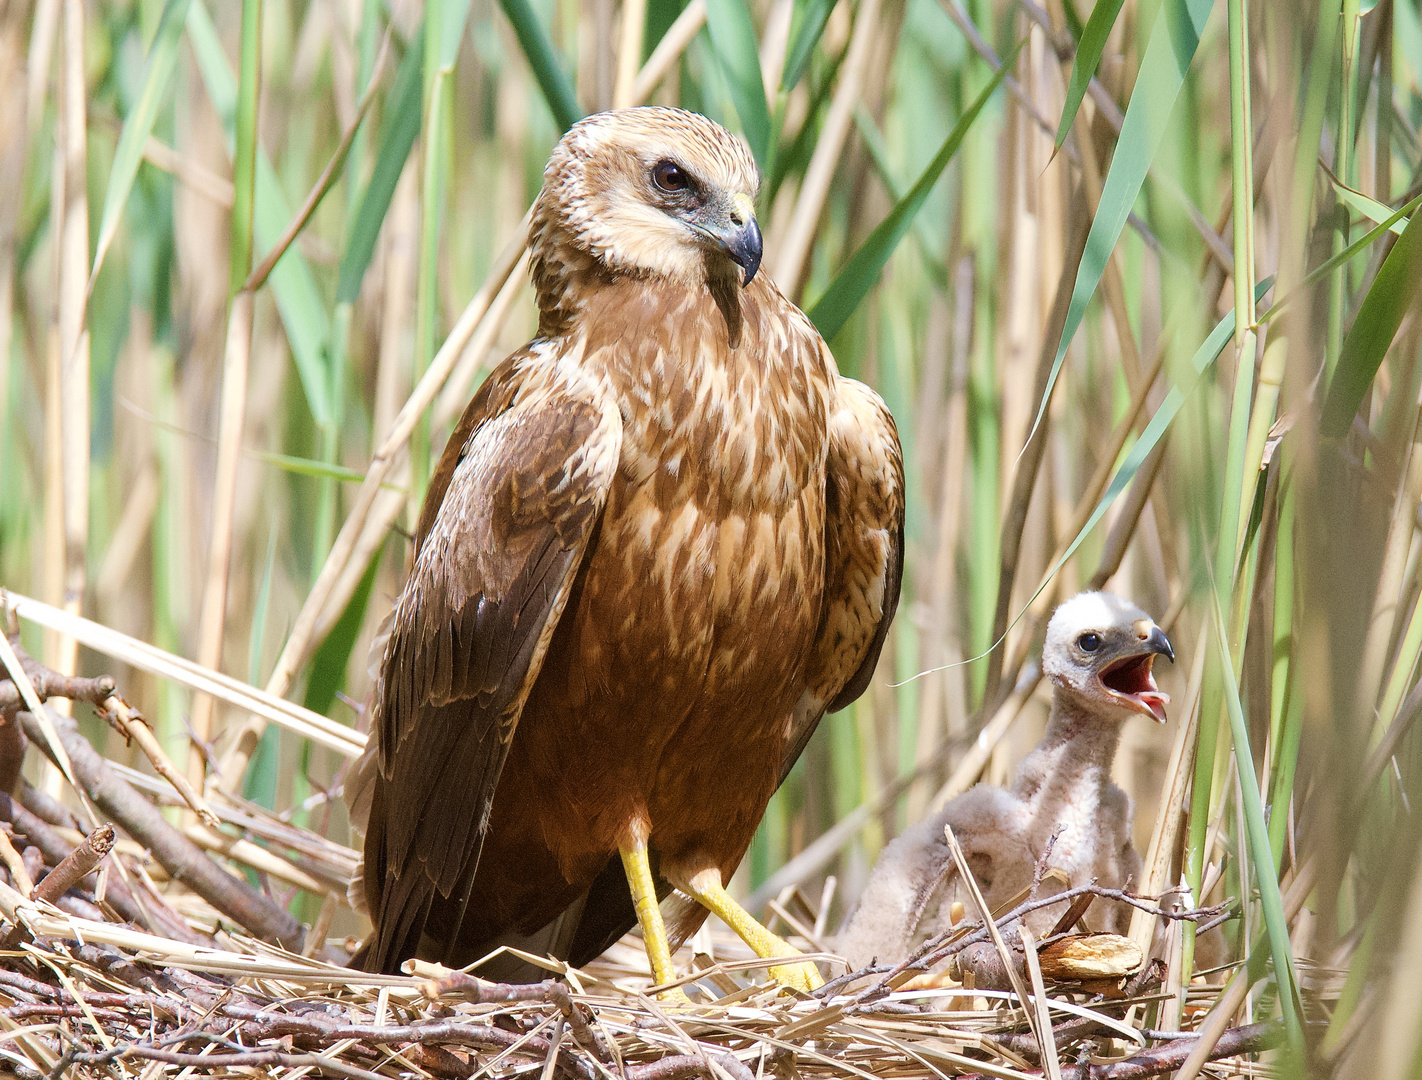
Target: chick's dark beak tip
[
  {"x": 745, "y": 248},
  {"x": 1160, "y": 644}
]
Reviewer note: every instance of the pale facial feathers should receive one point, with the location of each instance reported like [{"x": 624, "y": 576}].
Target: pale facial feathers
[
  {"x": 1101, "y": 648},
  {"x": 649, "y": 191}
]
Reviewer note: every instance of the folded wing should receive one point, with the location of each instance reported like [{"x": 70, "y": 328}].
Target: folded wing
[
  {"x": 864, "y": 556},
  {"x": 505, "y": 526}
]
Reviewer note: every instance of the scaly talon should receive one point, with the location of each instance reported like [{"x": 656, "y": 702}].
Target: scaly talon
[
  {"x": 649, "y": 915},
  {"x": 706, "y": 887},
  {"x": 675, "y": 998},
  {"x": 803, "y": 977}
]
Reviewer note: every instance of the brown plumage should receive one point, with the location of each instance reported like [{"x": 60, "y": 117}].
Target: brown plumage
[{"x": 665, "y": 537}]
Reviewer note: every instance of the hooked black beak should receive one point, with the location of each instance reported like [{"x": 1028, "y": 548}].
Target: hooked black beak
[
  {"x": 737, "y": 233},
  {"x": 744, "y": 247},
  {"x": 1157, "y": 642}
]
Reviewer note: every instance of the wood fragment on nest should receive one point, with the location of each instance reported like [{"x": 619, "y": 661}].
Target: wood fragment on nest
[
  {"x": 1089, "y": 956},
  {"x": 98, "y": 782},
  {"x": 75, "y": 866},
  {"x": 288, "y": 1012}
]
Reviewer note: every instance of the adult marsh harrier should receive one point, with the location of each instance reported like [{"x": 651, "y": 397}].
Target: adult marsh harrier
[{"x": 664, "y": 539}]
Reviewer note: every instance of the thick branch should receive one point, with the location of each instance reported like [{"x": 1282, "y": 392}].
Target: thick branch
[
  {"x": 1167, "y": 1058},
  {"x": 183, "y": 859},
  {"x": 50, "y": 684}
]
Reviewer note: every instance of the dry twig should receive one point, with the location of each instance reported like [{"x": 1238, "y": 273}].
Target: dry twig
[{"x": 183, "y": 859}]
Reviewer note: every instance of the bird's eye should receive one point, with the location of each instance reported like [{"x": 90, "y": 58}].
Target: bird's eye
[
  {"x": 1089, "y": 642},
  {"x": 669, "y": 176}
]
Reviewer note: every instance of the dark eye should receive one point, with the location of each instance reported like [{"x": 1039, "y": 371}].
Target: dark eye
[
  {"x": 1089, "y": 642},
  {"x": 668, "y": 176}
]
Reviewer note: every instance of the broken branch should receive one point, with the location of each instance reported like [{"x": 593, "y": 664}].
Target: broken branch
[
  {"x": 183, "y": 859},
  {"x": 133, "y": 726}
]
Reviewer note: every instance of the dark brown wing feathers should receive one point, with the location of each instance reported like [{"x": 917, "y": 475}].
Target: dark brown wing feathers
[{"x": 503, "y": 530}]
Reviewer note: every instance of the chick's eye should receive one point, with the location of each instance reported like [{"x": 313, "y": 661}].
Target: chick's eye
[
  {"x": 668, "y": 176},
  {"x": 1089, "y": 642}
]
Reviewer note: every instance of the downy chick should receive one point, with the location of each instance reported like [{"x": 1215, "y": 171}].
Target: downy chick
[{"x": 1098, "y": 654}]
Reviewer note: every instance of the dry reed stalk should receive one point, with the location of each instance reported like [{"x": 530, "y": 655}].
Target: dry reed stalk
[
  {"x": 1123, "y": 528},
  {"x": 136, "y": 728},
  {"x": 232, "y": 420},
  {"x": 965, "y": 774},
  {"x": 794, "y": 254},
  {"x": 53, "y": 554},
  {"x": 129, "y": 535},
  {"x": 73, "y": 331},
  {"x": 316, "y": 939},
  {"x": 457, "y": 388},
  {"x": 384, "y": 513},
  {"x": 257, "y": 857},
  {"x": 19, "y": 872},
  {"x": 629, "y": 53},
  {"x": 13, "y": 137},
  {"x": 944, "y": 692},
  {"x": 773, "y": 44},
  {"x": 1401, "y": 528},
  {"x": 43, "y": 30},
  {"x": 20, "y": 677},
  {"x": 1051, "y": 1062},
  {"x": 155, "y": 661},
  {"x": 397, "y": 302},
  {"x": 668, "y": 51},
  {"x": 190, "y": 172}
]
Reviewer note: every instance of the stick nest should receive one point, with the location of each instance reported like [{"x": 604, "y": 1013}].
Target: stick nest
[{"x": 136, "y": 951}]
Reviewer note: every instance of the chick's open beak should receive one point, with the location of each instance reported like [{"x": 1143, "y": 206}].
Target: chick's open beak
[
  {"x": 739, "y": 235},
  {"x": 1129, "y": 680}
]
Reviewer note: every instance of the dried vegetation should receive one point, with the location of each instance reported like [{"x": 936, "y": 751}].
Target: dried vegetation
[{"x": 254, "y": 256}]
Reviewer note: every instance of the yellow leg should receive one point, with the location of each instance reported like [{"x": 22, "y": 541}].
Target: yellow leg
[
  {"x": 706, "y": 887},
  {"x": 649, "y": 916}
]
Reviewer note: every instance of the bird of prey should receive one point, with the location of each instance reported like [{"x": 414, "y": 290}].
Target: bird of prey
[
  {"x": 1098, "y": 654},
  {"x": 664, "y": 539}
]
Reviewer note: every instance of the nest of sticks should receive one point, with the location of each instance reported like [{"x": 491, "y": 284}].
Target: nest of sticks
[{"x": 129, "y": 947}]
